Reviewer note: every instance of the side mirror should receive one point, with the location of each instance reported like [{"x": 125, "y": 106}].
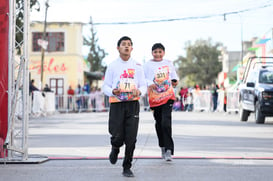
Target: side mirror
[{"x": 250, "y": 84}]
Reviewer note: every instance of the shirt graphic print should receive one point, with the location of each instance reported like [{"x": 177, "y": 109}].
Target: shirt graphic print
[
  {"x": 126, "y": 84},
  {"x": 163, "y": 91}
]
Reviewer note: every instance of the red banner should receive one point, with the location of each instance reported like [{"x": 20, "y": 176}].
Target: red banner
[{"x": 4, "y": 43}]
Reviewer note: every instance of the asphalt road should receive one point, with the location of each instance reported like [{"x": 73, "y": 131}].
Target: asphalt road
[
  {"x": 208, "y": 146},
  {"x": 195, "y": 135}
]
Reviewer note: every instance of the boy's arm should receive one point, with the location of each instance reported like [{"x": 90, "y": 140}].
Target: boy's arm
[
  {"x": 173, "y": 73},
  {"x": 107, "y": 84},
  {"x": 142, "y": 82},
  {"x": 147, "y": 73}
]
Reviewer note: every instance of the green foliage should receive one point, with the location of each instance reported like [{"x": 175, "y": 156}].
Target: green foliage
[
  {"x": 96, "y": 54},
  {"x": 201, "y": 65}
]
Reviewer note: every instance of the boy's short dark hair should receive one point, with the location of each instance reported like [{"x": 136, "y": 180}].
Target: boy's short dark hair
[
  {"x": 124, "y": 38},
  {"x": 158, "y": 45}
]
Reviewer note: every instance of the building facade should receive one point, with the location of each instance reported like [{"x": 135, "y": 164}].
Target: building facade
[
  {"x": 233, "y": 63},
  {"x": 63, "y": 64}
]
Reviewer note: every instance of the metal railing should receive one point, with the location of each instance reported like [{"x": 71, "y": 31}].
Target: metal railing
[{"x": 202, "y": 101}]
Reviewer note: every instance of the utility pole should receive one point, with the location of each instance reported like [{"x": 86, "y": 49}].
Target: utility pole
[
  {"x": 242, "y": 40},
  {"x": 42, "y": 48}
]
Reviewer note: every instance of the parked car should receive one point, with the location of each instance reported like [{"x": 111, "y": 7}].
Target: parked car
[{"x": 256, "y": 93}]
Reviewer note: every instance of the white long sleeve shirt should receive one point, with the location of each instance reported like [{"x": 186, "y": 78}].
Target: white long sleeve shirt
[
  {"x": 125, "y": 75},
  {"x": 160, "y": 73},
  {"x": 153, "y": 68}
]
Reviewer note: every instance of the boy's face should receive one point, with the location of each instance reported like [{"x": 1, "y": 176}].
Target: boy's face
[
  {"x": 125, "y": 48},
  {"x": 158, "y": 54}
]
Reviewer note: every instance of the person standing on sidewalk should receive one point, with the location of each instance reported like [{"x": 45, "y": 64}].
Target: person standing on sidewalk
[
  {"x": 161, "y": 78},
  {"x": 124, "y": 83}
]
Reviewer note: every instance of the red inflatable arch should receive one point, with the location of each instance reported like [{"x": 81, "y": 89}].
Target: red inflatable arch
[{"x": 4, "y": 42}]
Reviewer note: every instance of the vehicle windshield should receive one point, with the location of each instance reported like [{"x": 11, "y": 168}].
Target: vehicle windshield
[{"x": 266, "y": 77}]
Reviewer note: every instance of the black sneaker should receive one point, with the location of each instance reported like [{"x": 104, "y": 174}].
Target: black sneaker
[
  {"x": 127, "y": 173},
  {"x": 113, "y": 157}
]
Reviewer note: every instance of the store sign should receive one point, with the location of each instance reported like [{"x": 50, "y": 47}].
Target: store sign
[{"x": 51, "y": 66}]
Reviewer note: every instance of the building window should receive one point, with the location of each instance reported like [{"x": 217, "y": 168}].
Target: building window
[
  {"x": 55, "y": 41},
  {"x": 57, "y": 85}
]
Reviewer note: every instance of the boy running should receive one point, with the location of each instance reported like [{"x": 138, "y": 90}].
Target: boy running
[
  {"x": 161, "y": 78},
  {"x": 124, "y": 83}
]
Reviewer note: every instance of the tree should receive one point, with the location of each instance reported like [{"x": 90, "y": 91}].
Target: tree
[
  {"x": 96, "y": 54},
  {"x": 201, "y": 65}
]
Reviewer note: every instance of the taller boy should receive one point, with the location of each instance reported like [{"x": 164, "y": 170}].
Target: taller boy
[
  {"x": 124, "y": 83},
  {"x": 161, "y": 78}
]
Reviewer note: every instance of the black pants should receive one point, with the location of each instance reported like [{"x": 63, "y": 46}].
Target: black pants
[
  {"x": 163, "y": 125},
  {"x": 123, "y": 127}
]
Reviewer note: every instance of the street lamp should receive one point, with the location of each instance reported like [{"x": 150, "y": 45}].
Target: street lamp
[{"x": 42, "y": 48}]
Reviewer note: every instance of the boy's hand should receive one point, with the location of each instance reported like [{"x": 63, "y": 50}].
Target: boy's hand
[
  {"x": 174, "y": 83},
  {"x": 136, "y": 92},
  {"x": 116, "y": 92},
  {"x": 152, "y": 87}
]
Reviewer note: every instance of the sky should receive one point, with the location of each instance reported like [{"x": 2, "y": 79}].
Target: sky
[{"x": 244, "y": 20}]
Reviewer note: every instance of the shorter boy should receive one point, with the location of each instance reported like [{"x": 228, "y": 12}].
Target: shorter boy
[{"x": 161, "y": 78}]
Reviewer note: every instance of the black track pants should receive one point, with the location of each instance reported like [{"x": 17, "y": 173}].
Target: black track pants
[
  {"x": 163, "y": 125},
  {"x": 123, "y": 127}
]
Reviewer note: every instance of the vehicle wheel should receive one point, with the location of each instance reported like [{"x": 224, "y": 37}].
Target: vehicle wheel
[
  {"x": 243, "y": 113},
  {"x": 259, "y": 117}
]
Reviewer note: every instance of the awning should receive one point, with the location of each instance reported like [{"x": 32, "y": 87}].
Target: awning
[
  {"x": 262, "y": 40},
  {"x": 94, "y": 75}
]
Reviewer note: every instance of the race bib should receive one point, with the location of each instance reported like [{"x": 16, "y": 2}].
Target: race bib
[
  {"x": 127, "y": 85},
  {"x": 162, "y": 74}
]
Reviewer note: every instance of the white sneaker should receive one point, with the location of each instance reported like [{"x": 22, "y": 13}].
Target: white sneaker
[
  {"x": 168, "y": 155},
  {"x": 163, "y": 152}
]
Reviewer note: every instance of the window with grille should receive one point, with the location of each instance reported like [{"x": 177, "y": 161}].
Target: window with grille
[
  {"x": 57, "y": 85},
  {"x": 55, "y": 41}
]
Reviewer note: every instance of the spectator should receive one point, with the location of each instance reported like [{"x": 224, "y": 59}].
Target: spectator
[
  {"x": 183, "y": 96},
  {"x": 78, "y": 94},
  {"x": 86, "y": 88},
  {"x": 99, "y": 100},
  {"x": 47, "y": 89},
  {"x": 70, "y": 94},
  {"x": 197, "y": 97},
  {"x": 189, "y": 102},
  {"x": 93, "y": 98},
  {"x": 32, "y": 87},
  {"x": 225, "y": 99},
  {"x": 86, "y": 91},
  {"x": 214, "y": 96}
]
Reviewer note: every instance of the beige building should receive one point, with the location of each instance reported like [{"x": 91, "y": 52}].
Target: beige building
[{"x": 64, "y": 64}]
